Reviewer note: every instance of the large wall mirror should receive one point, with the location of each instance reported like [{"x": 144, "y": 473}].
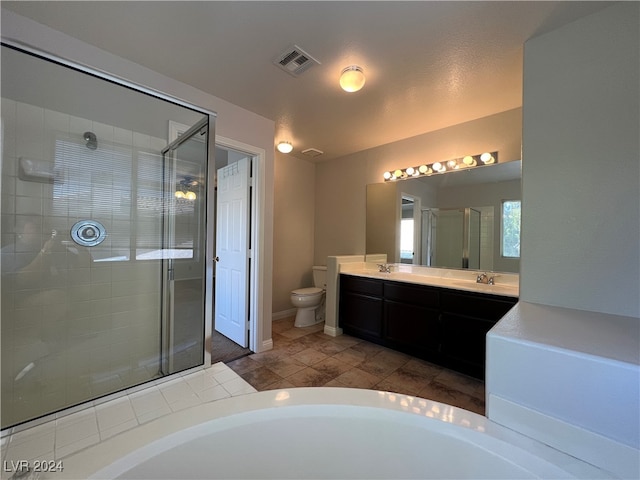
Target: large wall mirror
[{"x": 467, "y": 219}]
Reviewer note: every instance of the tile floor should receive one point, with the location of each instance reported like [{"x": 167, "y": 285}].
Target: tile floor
[
  {"x": 306, "y": 357},
  {"x": 68, "y": 434},
  {"x": 301, "y": 357}
]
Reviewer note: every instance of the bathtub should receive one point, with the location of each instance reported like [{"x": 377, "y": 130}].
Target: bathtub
[{"x": 324, "y": 433}]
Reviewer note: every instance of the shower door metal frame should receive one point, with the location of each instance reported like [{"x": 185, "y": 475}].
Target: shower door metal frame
[
  {"x": 209, "y": 224},
  {"x": 168, "y": 264}
]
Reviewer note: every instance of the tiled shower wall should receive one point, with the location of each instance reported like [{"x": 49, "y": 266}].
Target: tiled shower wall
[
  {"x": 73, "y": 328},
  {"x": 486, "y": 238}
]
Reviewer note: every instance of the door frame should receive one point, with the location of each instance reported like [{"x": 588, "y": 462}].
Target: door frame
[
  {"x": 417, "y": 227},
  {"x": 257, "y": 225}
]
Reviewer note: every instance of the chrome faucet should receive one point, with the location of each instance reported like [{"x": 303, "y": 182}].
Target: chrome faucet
[
  {"x": 384, "y": 267},
  {"x": 484, "y": 278}
]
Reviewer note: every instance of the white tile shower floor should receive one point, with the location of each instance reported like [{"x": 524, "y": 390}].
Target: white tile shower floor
[{"x": 66, "y": 435}]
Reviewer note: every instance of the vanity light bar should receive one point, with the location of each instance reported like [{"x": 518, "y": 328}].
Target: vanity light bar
[{"x": 469, "y": 161}]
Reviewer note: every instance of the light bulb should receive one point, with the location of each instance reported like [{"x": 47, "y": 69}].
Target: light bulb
[
  {"x": 486, "y": 158},
  {"x": 410, "y": 171},
  {"x": 352, "y": 79},
  {"x": 285, "y": 147},
  {"x": 179, "y": 194},
  {"x": 387, "y": 175},
  {"x": 423, "y": 169},
  {"x": 190, "y": 195},
  {"x": 437, "y": 166},
  {"x": 397, "y": 173}
]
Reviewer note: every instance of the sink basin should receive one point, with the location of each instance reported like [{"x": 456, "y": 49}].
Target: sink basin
[
  {"x": 462, "y": 283},
  {"x": 499, "y": 288}
]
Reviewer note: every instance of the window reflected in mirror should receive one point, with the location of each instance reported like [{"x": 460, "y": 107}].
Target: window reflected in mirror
[{"x": 510, "y": 238}]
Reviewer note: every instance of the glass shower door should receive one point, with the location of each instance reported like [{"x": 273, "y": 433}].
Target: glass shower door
[
  {"x": 83, "y": 307},
  {"x": 473, "y": 239},
  {"x": 87, "y": 196},
  {"x": 449, "y": 241},
  {"x": 185, "y": 163}
]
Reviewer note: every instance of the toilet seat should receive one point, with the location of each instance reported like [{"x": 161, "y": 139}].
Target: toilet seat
[{"x": 305, "y": 292}]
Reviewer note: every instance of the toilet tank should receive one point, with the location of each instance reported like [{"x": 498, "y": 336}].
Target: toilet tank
[{"x": 320, "y": 276}]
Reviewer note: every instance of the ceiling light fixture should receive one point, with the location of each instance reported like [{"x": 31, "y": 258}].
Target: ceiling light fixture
[
  {"x": 186, "y": 189},
  {"x": 464, "y": 163},
  {"x": 285, "y": 147},
  {"x": 352, "y": 79}
]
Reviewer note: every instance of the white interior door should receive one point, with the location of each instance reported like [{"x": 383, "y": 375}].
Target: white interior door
[{"x": 232, "y": 252}]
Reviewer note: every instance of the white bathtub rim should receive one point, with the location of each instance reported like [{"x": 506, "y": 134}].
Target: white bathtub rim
[
  {"x": 104, "y": 460},
  {"x": 496, "y": 451}
]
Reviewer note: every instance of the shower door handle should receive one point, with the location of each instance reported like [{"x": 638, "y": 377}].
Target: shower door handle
[{"x": 170, "y": 270}]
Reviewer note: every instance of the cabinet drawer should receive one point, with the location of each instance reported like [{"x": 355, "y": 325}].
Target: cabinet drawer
[
  {"x": 368, "y": 286},
  {"x": 479, "y": 306},
  {"x": 361, "y": 315},
  {"x": 413, "y": 294}
]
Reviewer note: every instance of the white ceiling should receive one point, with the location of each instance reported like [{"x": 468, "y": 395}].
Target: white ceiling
[{"x": 428, "y": 65}]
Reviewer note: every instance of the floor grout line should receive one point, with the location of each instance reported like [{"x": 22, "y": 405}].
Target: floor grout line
[{"x": 371, "y": 366}]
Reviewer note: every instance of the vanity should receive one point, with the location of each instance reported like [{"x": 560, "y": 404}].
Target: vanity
[
  {"x": 439, "y": 232},
  {"x": 438, "y": 315}
]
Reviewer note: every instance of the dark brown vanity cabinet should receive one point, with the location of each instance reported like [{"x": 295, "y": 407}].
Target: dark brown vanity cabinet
[
  {"x": 441, "y": 325},
  {"x": 411, "y": 319},
  {"x": 466, "y": 319},
  {"x": 361, "y": 307}
]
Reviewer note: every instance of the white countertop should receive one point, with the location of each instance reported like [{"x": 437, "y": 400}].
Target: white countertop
[
  {"x": 465, "y": 280},
  {"x": 615, "y": 337}
]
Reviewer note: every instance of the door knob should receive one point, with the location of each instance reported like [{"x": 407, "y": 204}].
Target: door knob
[{"x": 217, "y": 259}]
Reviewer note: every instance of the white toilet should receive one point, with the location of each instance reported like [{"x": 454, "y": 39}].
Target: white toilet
[{"x": 310, "y": 301}]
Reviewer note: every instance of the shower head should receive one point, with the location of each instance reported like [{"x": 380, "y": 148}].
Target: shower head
[{"x": 91, "y": 139}]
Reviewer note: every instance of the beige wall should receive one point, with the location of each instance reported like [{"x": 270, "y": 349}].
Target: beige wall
[
  {"x": 382, "y": 219},
  {"x": 341, "y": 183},
  {"x": 294, "y": 210},
  {"x": 581, "y": 165}
]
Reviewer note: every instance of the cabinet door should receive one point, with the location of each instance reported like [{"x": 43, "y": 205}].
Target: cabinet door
[
  {"x": 412, "y": 328},
  {"x": 361, "y": 315},
  {"x": 463, "y": 343}
]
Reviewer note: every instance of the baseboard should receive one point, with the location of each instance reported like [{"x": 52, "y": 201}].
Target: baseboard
[
  {"x": 603, "y": 452},
  {"x": 283, "y": 314},
  {"x": 266, "y": 345},
  {"x": 332, "y": 331}
]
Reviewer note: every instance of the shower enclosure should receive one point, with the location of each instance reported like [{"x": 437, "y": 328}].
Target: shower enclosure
[
  {"x": 103, "y": 236},
  {"x": 452, "y": 237}
]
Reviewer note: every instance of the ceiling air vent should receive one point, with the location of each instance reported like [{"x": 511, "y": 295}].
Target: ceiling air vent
[
  {"x": 294, "y": 60},
  {"x": 312, "y": 152}
]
